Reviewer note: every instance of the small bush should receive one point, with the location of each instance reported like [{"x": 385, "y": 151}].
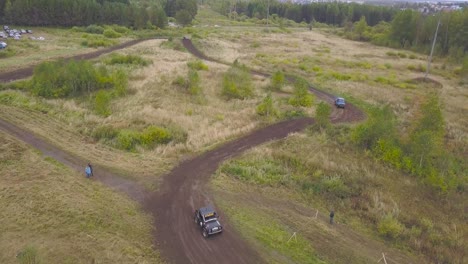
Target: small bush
[
  {"x": 197, "y": 65},
  {"x": 94, "y": 29},
  {"x": 126, "y": 59},
  {"x": 266, "y": 107},
  {"x": 277, "y": 81},
  {"x": 302, "y": 96},
  {"x": 237, "y": 83},
  {"x": 102, "y": 103},
  {"x": 120, "y": 29},
  {"x": 106, "y": 132},
  {"x": 194, "y": 87},
  {"x": 392, "y": 54},
  {"x": 180, "y": 81},
  {"x": 390, "y": 227},
  {"x": 153, "y": 135},
  {"x": 322, "y": 115},
  {"x": 110, "y": 33},
  {"x": 402, "y": 55},
  {"x": 28, "y": 256},
  {"x": 412, "y": 56},
  {"x": 96, "y": 43},
  {"x": 128, "y": 139}
]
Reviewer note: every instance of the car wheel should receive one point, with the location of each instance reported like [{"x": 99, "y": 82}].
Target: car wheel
[{"x": 205, "y": 233}]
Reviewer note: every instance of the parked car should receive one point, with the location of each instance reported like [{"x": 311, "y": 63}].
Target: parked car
[
  {"x": 207, "y": 220},
  {"x": 3, "y": 45},
  {"x": 340, "y": 102}
]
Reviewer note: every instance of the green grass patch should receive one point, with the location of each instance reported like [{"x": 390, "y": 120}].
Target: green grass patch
[
  {"x": 271, "y": 234},
  {"x": 72, "y": 220}
]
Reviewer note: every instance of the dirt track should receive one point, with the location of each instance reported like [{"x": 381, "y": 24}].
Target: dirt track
[
  {"x": 184, "y": 190},
  {"x": 184, "y": 187}
]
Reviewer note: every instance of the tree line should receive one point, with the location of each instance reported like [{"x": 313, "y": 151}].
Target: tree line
[
  {"x": 381, "y": 25},
  {"x": 333, "y": 13},
  {"x": 413, "y": 30},
  {"x": 137, "y": 14}
]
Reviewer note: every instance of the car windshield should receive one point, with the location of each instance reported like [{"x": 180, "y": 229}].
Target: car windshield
[
  {"x": 210, "y": 217},
  {"x": 340, "y": 100}
]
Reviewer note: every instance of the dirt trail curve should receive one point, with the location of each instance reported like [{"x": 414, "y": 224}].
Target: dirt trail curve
[{"x": 184, "y": 190}]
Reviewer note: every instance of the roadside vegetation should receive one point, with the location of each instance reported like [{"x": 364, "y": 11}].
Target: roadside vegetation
[{"x": 72, "y": 220}]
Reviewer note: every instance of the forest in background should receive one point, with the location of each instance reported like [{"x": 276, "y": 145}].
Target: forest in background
[
  {"x": 137, "y": 14},
  {"x": 382, "y": 25}
]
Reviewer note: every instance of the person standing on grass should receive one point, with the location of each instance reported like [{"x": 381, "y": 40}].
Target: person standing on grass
[
  {"x": 88, "y": 171},
  {"x": 91, "y": 167},
  {"x": 332, "y": 214}
]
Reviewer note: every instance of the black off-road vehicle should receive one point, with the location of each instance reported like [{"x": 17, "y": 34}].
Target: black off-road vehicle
[{"x": 207, "y": 219}]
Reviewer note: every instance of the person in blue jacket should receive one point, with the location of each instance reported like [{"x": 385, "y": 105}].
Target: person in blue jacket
[{"x": 88, "y": 171}]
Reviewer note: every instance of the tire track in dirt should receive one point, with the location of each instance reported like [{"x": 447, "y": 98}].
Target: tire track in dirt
[{"x": 184, "y": 190}]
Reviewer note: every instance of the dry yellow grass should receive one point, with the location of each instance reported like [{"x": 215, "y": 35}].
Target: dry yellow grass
[{"x": 64, "y": 218}]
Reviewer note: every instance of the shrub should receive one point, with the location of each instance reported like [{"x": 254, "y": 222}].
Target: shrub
[
  {"x": 107, "y": 132},
  {"x": 237, "y": 83},
  {"x": 128, "y": 139},
  {"x": 301, "y": 96},
  {"x": 322, "y": 115},
  {"x": 102, "y": 103},
  {"x": 73, "y": 78},
  {"x": 94, "y": 29},
  {"x": 153, "y": 135},
  {"x": 194, "y": 87},
  {"x": 126, "y": 59},
  {"x": 390, "y": 227},
  {"x": 120, "y": 29},
  {"x": 277, "y": 80},
  {"x": 180, "y": 81},
  {"x": 197, "y": 65},
  {"x": 392, "y": 54},
  {"x": 110, "y": 33},
  {"x": 28, "y": 256},
  {"x": 96, "y": 43},
  {"x": 266, "y": 107}
]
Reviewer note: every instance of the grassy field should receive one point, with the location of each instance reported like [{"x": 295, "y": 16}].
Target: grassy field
[
  {"x": 153, "y": 100},
  {"x": 280, "y": 185},
  {"x": 51, "y": 214}
]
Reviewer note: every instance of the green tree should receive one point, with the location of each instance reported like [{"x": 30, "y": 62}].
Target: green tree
[
  {"x": 183, "y": 17},
  {"x": 360, "y": 28}
]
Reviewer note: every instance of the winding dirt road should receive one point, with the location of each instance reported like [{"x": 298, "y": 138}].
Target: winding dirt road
[{"x": 184, "y": 188}]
